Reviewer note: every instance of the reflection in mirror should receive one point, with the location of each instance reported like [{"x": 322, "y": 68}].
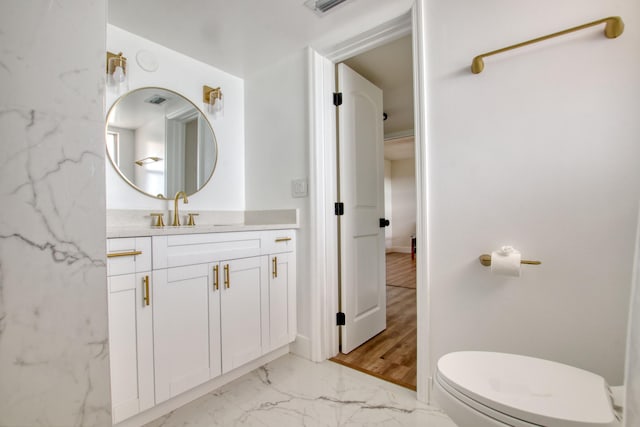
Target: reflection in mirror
[{"x": 160, "y": 142}]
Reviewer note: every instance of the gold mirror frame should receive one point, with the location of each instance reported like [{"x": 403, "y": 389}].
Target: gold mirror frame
[{"x": 122, "y": 175}]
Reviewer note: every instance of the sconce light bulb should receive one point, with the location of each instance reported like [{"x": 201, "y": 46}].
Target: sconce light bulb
[
  {"x": 218, "y": 106},
  {"x": 119, "y": 75}
]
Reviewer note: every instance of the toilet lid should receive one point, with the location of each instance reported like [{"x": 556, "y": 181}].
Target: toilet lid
[{"x": 533, "y": 390}]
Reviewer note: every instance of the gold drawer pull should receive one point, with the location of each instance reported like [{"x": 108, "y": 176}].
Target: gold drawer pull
[
  {"x": 216, "y": 286},
  {"x": 275, "y": 266},
  {"x": 283, "y": 239},
  {"x": 226, "y": 276},
  {"x": 119, "y": 254},
  {"x": 147, "y": 297}
]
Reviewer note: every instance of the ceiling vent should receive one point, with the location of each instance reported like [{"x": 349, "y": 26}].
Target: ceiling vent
[
  {"x": 156, "y": 100},
  {"x": 320, "y": 7}
]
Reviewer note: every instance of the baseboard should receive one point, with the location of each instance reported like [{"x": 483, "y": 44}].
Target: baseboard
[
  {"x": 400, "y": 249},
  {"x": 188, "y": 396},
  {"x": 301, "y": 346}
]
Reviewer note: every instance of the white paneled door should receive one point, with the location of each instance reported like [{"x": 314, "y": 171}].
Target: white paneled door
[{"x": 361, "y": 176}]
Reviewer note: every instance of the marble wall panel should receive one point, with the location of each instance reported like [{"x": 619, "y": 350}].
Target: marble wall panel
[{"x": 54, "y": 360}]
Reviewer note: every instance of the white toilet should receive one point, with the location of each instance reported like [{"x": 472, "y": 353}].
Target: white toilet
[{"x": 485, "y": 389}]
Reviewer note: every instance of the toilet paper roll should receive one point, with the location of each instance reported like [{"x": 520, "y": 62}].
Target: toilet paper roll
[{"x": 506, "y": 261}]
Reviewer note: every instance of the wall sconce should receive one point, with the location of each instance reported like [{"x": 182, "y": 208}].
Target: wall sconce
[
  {"x": 117, "y": 71},
  {"x": 212, "y": 97}
]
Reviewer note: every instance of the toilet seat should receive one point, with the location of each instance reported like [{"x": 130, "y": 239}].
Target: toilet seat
[{"x": 524, "y": 391}]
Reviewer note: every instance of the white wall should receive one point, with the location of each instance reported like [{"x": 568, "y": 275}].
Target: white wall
[
  {"x": 403, "y": 217},
  {"x": 185, "y": 75},
  {"x": 632, "y": 376},
  {"x": 54, "y": 361},
  {"x": 277, "y": 152},
  {"x": 539, "y": 151}
]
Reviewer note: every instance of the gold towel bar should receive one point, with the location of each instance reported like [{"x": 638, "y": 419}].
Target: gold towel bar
[
  {"x": 119, "y": 254},
  {"x": 485, "y": 259},
  {"x": 613, "y": 28}
]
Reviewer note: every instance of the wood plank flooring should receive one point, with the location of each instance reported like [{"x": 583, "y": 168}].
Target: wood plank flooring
[
  {"x": 401, "y": 270},
  {"x": 391, "y": 355}
]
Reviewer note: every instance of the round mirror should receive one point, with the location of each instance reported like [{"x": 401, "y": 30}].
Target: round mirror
[{"x": 160, "y": 142}]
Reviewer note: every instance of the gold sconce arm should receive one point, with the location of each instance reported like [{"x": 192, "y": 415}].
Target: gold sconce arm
[
  {"x": 209, "y": 93},
  {"x": 213, "y": 100},
  {"x": 613, "y": 28},
  {"x": 116, "y": 60}
]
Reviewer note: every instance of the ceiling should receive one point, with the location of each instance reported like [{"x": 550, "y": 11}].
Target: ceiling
[
  {"x": 390, "y": 67},
  {"x": 242, "y": 36}
]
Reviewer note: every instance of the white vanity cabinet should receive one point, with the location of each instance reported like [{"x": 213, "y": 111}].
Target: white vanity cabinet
[
  {"x": 217, "y": 301},
  {"x": 130, "y": 326},
  {"x": 186, "y": 313}
]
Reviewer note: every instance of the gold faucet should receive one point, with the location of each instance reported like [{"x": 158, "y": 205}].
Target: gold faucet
[{"x": 176, "y": 217}]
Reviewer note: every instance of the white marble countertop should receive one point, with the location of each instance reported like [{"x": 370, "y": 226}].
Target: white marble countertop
[
  {"x": 137, "y": 223},
  {"x": 143, "y": 231}
]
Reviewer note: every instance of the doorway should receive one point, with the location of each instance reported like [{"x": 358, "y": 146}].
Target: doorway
[{"x": 392, "y": 353}]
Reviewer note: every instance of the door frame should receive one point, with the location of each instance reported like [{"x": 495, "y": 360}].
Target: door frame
[{"x": 323, "y": 243}]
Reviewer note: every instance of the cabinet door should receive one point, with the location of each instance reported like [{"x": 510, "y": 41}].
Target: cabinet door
[
  {"x": 130, "y": 345},
  {"x": 282, "y": 300},
  {"x": 181, "y": 329},
  {"x": 244, "y": 318}
]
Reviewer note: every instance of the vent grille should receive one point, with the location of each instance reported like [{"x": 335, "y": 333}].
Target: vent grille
[
  {"x": 156, "y": 100},
  {"x": 322, "y": 6}
]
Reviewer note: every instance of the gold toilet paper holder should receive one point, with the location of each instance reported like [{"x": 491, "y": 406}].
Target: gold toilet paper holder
[{"x": 485, "y": 259}]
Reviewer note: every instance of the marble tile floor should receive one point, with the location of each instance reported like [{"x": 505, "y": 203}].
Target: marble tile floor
[{"x": 292, "y": 391}]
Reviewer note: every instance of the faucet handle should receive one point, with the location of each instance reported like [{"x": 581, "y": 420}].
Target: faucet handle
[
  {"x": 192, "y": 220},
  {"x": 159, "y": 220}
]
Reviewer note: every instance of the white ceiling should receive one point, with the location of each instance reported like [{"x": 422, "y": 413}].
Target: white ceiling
[
  {"x": 390, "y": 67},
  {"x": 242, "y": 36}
]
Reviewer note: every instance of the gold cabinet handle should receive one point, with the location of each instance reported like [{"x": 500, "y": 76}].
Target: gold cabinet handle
[
  {"x": 147, "y": 298},
  {"x": 119, "y": 254},
  {"x": 275, "y": 266},
  {"x": 227, "y": 283},
  {"x": 283, "y": 239},
  {"x": 216, "y": 285}
]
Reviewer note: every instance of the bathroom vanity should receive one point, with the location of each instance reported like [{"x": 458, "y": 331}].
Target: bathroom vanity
[
  {"x": 190, "y": 307},
  {"x": 194, "y": 308}
]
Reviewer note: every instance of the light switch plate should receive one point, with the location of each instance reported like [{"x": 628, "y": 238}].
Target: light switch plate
[{"x": 299, "y": 187}]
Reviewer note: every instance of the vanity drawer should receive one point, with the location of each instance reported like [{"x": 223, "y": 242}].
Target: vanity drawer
[
  {"x": 191, "y": 249},
  {"x": 279, "y": 241},
  {"x": 128, "y": 255}
]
